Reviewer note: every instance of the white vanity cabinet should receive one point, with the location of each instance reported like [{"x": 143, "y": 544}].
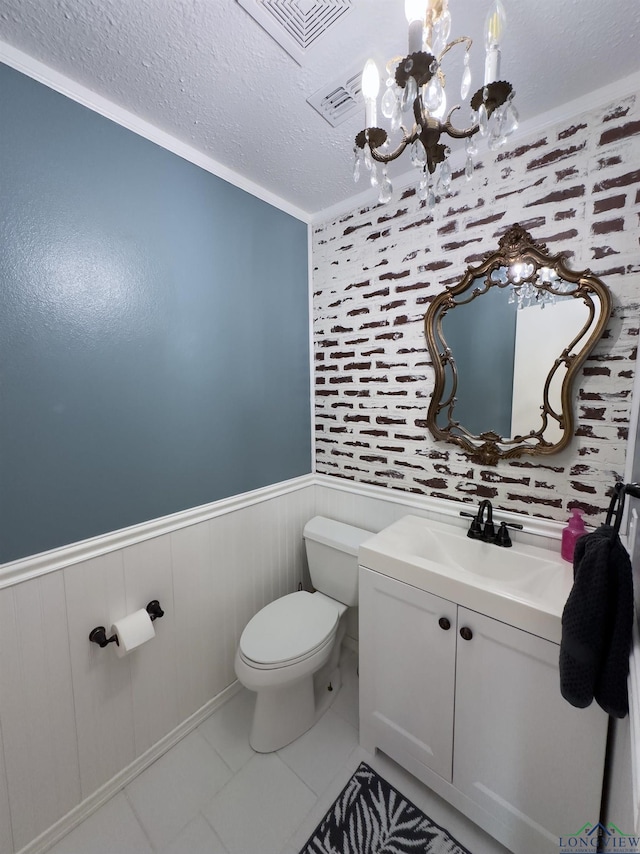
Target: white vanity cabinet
[
  {"x": 407, "y": 709},
  {"x": 480, "y": 720}
]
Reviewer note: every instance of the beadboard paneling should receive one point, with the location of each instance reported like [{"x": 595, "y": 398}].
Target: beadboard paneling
[
  {"x": 6, "y": 842},
  {"x": 72, "y": 715},
  {"x": 211, "y": 575},
  {"x": 154, "y": 666},
  {"x": 222, "y": 533},
  {"x": 36, "y": 706},
  {"x": 372, "y": 514},
  {"x": 199, "y": 616},
  {"x": 95, "y": 592}
]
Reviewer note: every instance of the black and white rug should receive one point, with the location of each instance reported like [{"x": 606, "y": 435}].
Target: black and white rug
[{"x": 371, "y": 817}]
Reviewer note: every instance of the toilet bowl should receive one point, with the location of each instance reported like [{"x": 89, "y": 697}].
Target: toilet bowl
[{"x": 289, "y": 651}]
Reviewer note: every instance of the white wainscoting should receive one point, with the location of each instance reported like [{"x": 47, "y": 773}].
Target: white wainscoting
[
  {"x": 76, "y": 722},
  {"x": 373, "y": 508}
]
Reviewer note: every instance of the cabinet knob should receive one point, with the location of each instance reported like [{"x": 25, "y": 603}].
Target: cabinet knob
[
  {"x": 444, "y": 623},
  {"x": 466, "y": 633}
]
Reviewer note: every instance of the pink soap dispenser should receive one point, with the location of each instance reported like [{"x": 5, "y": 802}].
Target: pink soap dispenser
[{"x": 575, "y": 528}]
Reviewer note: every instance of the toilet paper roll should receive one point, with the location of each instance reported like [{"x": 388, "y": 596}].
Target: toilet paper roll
[{"x": 132, "y": 631}]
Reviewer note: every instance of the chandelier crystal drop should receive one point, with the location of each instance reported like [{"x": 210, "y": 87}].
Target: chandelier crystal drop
[
  {"x": 414, "y": 102},
  {"x": 530, "y": 285}
]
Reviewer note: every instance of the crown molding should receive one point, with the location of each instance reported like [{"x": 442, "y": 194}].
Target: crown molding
[
  {"x": 530, "y": 127},
  {"x": 37, "y": 70},
  {"x": 46, "y": 75}
]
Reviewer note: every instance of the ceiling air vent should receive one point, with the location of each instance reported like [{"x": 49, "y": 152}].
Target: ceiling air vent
[
  {"x": 296, "y": 24},
  {"x": 339, "y": 99}
]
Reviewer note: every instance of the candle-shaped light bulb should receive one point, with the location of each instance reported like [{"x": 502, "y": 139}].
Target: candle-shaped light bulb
[
  {"x": 494, "y": 28},
  {"x": 415, "y": 11},
  {"x": 494, "y": 25},
  {"x": 370, "y": 88},
  {"x": 370, "y": 80}
]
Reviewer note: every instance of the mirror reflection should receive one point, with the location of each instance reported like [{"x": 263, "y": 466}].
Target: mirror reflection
[
  {"x": 506, "y": 343},
  {"x": 519, "y": 346}
]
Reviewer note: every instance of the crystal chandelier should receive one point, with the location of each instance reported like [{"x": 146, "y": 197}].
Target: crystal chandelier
[
  {"x": 415, "y": 102},
  {"x": 530, "y": 285}
]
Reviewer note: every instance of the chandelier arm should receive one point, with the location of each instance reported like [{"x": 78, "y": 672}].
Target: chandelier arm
[
  {"x": 392, "y": 155},
  {"x": 458, "y": 133},
  {"x": 392, "y": 63},
  {"x": 459, "y": 40},
  {"x": 412, "y": 75}
]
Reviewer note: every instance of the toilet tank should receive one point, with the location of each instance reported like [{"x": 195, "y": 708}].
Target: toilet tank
[{"x": 332, "y": 553}]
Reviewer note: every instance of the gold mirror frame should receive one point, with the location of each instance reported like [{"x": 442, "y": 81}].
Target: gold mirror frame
[{"x": 516, "y": 246}]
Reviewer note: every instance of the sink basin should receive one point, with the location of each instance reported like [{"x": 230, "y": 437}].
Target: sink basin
[
  {"x": 454, "y": 549},
  {"x": 525, "y": 586}
]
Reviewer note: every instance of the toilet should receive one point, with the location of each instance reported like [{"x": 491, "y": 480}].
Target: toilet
[{"x": 289, "y": 651}]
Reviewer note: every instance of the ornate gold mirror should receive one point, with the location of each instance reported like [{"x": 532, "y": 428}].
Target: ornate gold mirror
[{"x": 506, "y": 343}]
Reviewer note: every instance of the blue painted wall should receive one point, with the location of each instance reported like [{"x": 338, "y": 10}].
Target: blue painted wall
[
  {"x": 154, "y": 350},
  {"x": 487, "y": 325}
]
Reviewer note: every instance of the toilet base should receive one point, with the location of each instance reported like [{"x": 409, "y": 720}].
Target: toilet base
[
  {"x": 287, "y": 710},
  {"x": 326, "y": 683},
  {"x": 284, "y": 714},
  {"x": 281, "y": 715}
]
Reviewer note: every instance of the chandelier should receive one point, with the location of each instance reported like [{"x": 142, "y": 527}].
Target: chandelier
[
  {"x": 530, "y": 285},
  {"x": 415, "y": 103}
]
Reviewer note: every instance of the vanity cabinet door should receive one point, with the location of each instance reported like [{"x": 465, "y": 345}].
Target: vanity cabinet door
[
  {"x": 407, "y": 672},
  {"x": 521, "y": 751}
]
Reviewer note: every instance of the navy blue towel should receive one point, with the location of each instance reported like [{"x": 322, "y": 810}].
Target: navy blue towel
[{"x": 597, "y": 623}]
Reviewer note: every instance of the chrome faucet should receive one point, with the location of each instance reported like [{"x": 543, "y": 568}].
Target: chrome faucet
[{"x": 484, "y": 529}]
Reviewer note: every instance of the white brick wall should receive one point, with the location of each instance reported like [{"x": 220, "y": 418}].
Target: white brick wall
[{"x": 576, "y": 188}]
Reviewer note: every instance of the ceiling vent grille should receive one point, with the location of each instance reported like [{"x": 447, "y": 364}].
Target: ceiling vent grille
[
  {"x": 296, "y": 24},
  {"x": 340, "y": 99}
]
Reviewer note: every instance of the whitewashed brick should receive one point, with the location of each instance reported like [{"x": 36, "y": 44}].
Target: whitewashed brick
[{"x": 577, "y": 188}]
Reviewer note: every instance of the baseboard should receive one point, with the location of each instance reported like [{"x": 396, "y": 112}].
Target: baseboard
[{"x": 85, "y": 808}]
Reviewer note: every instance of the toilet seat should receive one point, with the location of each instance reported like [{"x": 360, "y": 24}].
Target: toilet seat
[{"x": 289, "y": 630}]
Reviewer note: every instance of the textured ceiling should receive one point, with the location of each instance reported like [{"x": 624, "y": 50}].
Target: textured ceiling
[{"x": 204, "y": 71}]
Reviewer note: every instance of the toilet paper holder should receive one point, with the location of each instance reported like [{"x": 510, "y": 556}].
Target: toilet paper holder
[{"x": 99, "y": 634}]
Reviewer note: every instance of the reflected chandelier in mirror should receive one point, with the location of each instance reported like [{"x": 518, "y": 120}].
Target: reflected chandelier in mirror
[{"x": 506, "y": 344}]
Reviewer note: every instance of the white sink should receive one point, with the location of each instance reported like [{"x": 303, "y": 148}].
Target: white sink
[{"x": 525, "y": 586}]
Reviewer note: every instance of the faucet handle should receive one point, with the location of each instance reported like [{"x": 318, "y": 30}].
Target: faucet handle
[
  {"x": 487, "y": 532},
  {"x": 502, "y": 537},
  {"x": 475, "y": 528}
]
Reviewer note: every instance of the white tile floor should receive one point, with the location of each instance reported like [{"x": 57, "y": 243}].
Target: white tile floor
[{"x": 212, "y": 794}]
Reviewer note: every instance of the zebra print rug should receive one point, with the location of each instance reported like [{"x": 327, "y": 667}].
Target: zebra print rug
[{"x": 371, "y": 817}]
